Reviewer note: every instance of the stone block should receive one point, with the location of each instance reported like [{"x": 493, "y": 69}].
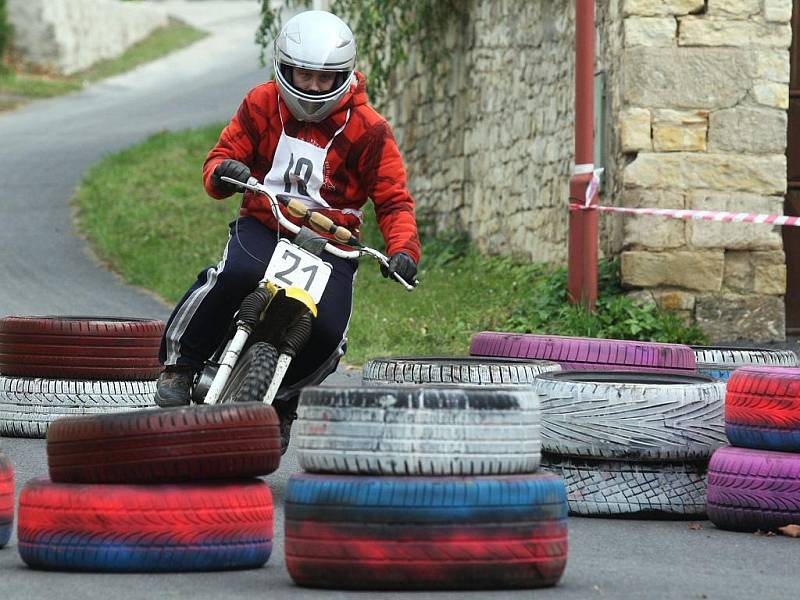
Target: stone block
[
  {"x": 634, "y": 125},
  {"x": 643, "y": 297},
  {"x": 677, "y": 131},
  {"x": 738, "y": 274},
  {"x": 673, "y": 138},
  {"x": 650, "y": 31},
  {"x": 701, "y": 271},
  {"x": 656, "y": 8},
  {"x": 703, "y": 31},
  {"x": 770, "y": 279},
  {"x": 680, "y": 117},
  {"x": 734, "y": 8},
  {"x": 771, "y": 94},
  {"x": 755, "y": 272},
  {"x": 772, "y": 65},
  {"x": 742, "y": 236},
  {"x": 674, "y": 300},
  {"x": 763, "y": 174},
  {"x": 686, "y": 77},
  {"x": 654, "y": 233},
  {"x": 732, "y": 317},
  {"x": 778, "y": 11},
  {"x": 748, "y": 129}
]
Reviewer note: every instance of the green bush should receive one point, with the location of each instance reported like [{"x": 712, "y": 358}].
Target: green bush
[
  {"x": 5, "y": 31},
  {"x": 617, "y": 316}
]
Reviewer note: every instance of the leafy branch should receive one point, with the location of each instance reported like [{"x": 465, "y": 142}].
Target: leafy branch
[{"x": 384, "y": 30}]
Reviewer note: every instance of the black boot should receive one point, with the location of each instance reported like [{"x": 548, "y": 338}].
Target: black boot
[
  {"x": 174, "y": 386},
  {"x": 287, "y": 413}
]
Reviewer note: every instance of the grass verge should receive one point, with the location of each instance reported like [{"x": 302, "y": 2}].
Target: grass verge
[
  {"x": 147, "y": 215},
  {"x": 18, "y": 83}
]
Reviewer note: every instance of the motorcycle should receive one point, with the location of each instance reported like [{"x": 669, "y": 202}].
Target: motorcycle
[{"x": 274, "y": 321}]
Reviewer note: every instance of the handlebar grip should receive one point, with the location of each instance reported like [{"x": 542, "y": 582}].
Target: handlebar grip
[{"x": 319, "y": 222}]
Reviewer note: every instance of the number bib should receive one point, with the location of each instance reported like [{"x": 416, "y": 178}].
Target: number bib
[
  {"x": 298, "y": 168},
  {"x": 291, "y": 266}
]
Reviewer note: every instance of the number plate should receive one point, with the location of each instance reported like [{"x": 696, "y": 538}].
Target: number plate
[{"x": 294, "y": 267}]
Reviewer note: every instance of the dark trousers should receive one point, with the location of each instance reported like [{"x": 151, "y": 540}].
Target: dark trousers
[{"x": 201, "y": 319}]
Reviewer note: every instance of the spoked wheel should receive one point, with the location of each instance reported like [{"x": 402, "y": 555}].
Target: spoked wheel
[{"x": 252, "y": 375}]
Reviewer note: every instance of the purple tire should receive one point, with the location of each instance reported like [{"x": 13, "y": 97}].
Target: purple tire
[
  {"x": 753, "y": 489},
  {"x": 586, "y": 353}
]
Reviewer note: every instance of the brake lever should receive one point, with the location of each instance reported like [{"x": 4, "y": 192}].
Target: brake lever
[{"x": 385, "y": 262}]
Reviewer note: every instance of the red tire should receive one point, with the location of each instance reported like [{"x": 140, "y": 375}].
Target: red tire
[
  {"x": 80, "y": 347},
  {"x": 83, "y": 327},
  {"x": 762, "y": 408},
  {"x": 426, "y": 533},
  {"x": 6, "y": 500},
  {"x": 184, "y": 527},
  {"x": 585, "y": 353},
  {"x": 180, "y": 444}
]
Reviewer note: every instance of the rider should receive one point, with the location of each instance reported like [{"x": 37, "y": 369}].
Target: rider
[{"x": 312, "y": 133}]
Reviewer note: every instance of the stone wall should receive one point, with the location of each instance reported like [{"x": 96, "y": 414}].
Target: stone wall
[
  {"x": 703, "y": 124},
  {"x": 696, "y": 115},
  {"x": 67, "y": 36},
  {"x": 489, "y": 144}
]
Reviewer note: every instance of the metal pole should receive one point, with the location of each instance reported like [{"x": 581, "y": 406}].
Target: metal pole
[{"x": 582, "y": 242}]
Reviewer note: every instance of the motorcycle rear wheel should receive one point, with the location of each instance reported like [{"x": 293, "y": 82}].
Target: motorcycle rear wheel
[{"x": 251, "y": 375}]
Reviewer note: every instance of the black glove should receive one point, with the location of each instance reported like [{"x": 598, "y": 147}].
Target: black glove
[
  {"x": 402, "y": 264},
  {"x": 233, "y": 169}
]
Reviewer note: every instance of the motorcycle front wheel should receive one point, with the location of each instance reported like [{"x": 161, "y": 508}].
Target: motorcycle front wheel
[{"x": 251, "y": 375}]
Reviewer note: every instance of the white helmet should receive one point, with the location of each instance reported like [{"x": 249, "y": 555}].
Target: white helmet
[{"x": 319, "y": 41}]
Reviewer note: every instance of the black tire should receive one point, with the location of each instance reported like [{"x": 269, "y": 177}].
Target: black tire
[
  {"x": 631, "y": 415},
  {"x": 455, "y": 369},
  {"x": 425, "y": 533},
  {"x": 728, "y": 356},
  {"x": 201, "y": 526},
  {"x": 600, "y": 488},
  {"x": 6, "y": 500},
  {"x": 29, "y": 405},
  {"x": 162, "y": 446},
  {"x": 251, "y": 375},
  {"x": 80, "y": 347},
  {"x": 429, "y": 429}
]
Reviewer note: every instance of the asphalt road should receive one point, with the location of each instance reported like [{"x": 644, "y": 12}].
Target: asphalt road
[{"x": 45, "y": 269}]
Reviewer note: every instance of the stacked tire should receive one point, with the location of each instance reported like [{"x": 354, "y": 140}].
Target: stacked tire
[
  {"x": 6, "y": 499},
  {"x": 52, "y": 367},
  {"x": 721, "y": 361},
  {"x": 629, "y": 425},
  {"x": 754, "y": 484},
  {"x": 581, "y": 353},
  {"x": 154, "y": 491},
  {"x": 423, "y": 486},
  {"x": 631, "y": 442}
]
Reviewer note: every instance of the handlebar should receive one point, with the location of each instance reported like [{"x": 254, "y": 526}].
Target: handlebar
[{"x": 319, "y": 223}]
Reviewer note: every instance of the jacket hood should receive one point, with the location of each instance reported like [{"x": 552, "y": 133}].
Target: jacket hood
[{"x": 356, "y": 96}]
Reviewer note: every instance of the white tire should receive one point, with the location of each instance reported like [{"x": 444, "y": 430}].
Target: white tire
[
  {"x": 707, "y": 356},
  {"x": 418, "y": 430},
  {"x": 602, "y": 488},
  {"x": 455, "y": 369},
  {"x": 631, "y": 415},
  {"x": 29, "y": 405}
]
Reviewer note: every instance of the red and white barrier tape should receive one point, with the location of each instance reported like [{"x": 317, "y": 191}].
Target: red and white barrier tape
[{"x": 697, "y": 215}]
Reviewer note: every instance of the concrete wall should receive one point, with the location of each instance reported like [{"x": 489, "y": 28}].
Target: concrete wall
[{"x": 67, "y": 36}]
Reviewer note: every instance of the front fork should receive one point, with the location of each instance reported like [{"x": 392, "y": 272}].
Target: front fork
[{"x": 251, "y": 314}]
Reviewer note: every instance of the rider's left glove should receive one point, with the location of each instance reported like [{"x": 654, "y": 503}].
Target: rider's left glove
[
  {"x": 402, "y": 264},
  {"x": 233, "y": 169}
]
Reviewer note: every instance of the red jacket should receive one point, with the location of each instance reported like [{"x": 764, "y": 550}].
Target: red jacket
[{"x": 363, "y": 161}]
